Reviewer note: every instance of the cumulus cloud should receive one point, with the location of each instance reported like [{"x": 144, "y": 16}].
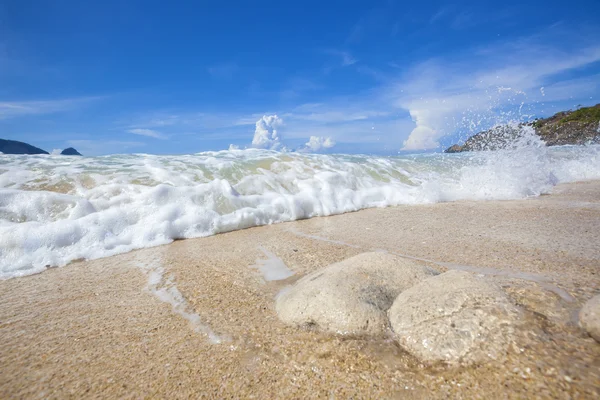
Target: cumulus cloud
[
  {"x": 147, "y": 132},
  {"x": 56, "y": 152},
  {"x": 266, "y": 134},
  {"x": 431, "y": 118},
  {"x": 318, "y": 143}
]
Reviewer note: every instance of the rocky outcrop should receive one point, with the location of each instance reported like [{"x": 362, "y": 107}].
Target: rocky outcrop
[
  {"x": 589, "y": 317},
  {"x": 70, "y": 152},
  {"x": 454, "y": 317},
  {"x": 568, "y": 127},
  {"x": 455, "y": 148},
  {"x": 352, "y": 296},
  {"x": 16, "y": 147}
]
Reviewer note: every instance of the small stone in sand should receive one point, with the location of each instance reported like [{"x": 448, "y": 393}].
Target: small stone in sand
[
  {"x": 352, "y": 296},
  {"x": 589, "y": 317},
  {"x": 453, "y": 317}
]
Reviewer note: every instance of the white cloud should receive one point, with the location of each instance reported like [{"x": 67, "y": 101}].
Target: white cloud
[
  {"x": 346, "y": 58},
  {"x": 445, "y": 95},
  {"x": 318, "y": 143},
  {"x": 147, "y": 132},
  {"x": 412, "y": 107},
  {"x": 223, "y": 71},
  {"x": 11, "y": 109},
  {"x": 266, "y": 134},
  {"x": 56, "y": 152},
  {"x": 99, "y": 147},
  {"x": 328, "y": 115}
]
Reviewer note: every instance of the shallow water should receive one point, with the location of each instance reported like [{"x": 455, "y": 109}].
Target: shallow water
[
  {"x": 56, "y": 209},
  {"x": 166, "y": 291},
  {"x": 272, "y": 268}
]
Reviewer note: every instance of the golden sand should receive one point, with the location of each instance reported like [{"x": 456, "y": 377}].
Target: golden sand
[{"x": 106, "y": 329}]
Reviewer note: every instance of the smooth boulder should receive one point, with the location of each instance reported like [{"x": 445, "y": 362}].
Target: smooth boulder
[
  {"x": 589, "y": 317},
  {"x": 352, "y": 296},
  {"x": 453, "y": 317}
]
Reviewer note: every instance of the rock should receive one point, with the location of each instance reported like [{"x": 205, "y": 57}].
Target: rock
[
  {"x": 352, "y": 296},
  {"x": 16, "y": 147},
  {"x": 589, "y": 317},
  {"x": 456, "y": 148},
  {"x": 581, "y": 126},
  {"x": 577, "y": 127},
  {"x": 453, "y": 317},
  {"x": 70, "y": 152}
]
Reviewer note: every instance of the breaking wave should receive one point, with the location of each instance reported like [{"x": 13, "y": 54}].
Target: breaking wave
[{"x": 55, "y": 209}]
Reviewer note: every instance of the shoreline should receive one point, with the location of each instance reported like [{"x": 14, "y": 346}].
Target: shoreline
[{"x": 121, "y": 327}]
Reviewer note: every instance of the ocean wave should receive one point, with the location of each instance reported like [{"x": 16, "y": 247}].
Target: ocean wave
[{"x": 54, "y": 210}]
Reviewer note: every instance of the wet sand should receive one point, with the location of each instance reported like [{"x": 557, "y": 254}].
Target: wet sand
[{"x": 192, "y": 319}]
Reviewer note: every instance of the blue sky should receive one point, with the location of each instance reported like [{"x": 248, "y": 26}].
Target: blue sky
[{"x": 339, "y": 76}]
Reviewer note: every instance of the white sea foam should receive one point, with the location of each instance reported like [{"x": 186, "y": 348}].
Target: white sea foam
[
  {"x": 166, "y": 291},
  {"x": 54, "y": 209}
]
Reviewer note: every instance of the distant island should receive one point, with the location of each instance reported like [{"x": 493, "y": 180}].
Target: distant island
[
  {"x": 70, "y": 151},
  {"x": 16, "y": 147},
  {"x": 578, "y": 127}
]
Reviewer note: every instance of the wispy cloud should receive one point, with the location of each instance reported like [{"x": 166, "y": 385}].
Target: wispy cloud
[
  {"x": 345, "y": 58},
  {"x": 297, "y": 86},
  {"x": 376, "y": 20},
  {"x": 329, "y": 114},
  {"x": 443, "y": 95},
  {"x": 463, "y": 20},
  {"x": 223, "y": 71},
  {"x": 12, "y": 109},
  {"x": 147, "y": 132},
  {"x": 416, "y": 106},
  {"x": 409, "y": 106},
  {"x": 439, "y": 14},
  {"x": 100, "y": 147},
  {"x": 171, "y": 123}
]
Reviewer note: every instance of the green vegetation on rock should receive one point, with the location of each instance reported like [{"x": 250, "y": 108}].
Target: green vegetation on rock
[{"x": 585, "y": 115}]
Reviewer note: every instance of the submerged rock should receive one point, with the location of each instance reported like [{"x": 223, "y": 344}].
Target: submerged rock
[
  {"x": 352, "y": 296},
  {"x": 589, "y": 317},
  {"x": 453, "y": 317}
]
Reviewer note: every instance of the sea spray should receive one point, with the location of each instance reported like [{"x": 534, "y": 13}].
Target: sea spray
[{"x": 54, "y": 210}]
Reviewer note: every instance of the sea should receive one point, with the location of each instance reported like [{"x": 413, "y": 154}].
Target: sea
[{"x": 55, "y": 209}]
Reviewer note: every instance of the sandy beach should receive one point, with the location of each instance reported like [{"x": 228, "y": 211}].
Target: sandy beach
[{"x": 195, "y": 319}]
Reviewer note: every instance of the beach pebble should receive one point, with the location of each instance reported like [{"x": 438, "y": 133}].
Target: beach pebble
[
  {"x": 352, "y": 296},
  {"x": 454, "y": 317},
  {"x": 589, "y": 317}
]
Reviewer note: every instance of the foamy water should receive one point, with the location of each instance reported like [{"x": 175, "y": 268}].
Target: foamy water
[{"x": 55, "y": 209}]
